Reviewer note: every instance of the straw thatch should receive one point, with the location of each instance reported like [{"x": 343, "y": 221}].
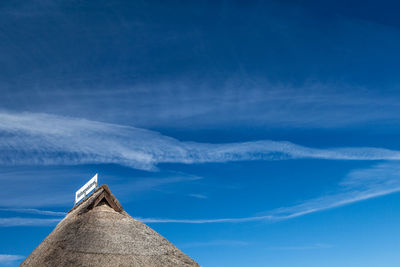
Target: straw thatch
[{"x": 98, "y": 232}]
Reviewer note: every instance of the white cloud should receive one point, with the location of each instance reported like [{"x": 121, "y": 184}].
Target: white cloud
[
  {"x": 46, "y": 139},
  {"x": 198, "y": 196},
  {"x": 303, "y": 247},
  {"x": 148, "y": 183},
  {"x": 361, "y": 184},
  {"x": 358, "y": 185},
  {"x": 35, "y": 211},
  {"x": 201, "y": 221},
  {"x": 42, "y": 139},
  {"x": 20, "y": 193},
  {"x": 214, "y": 243},
  {"x": 7, "y": 258},
  {"x": 200, "y": 103},
  {"x": 379, "y": 180},
  {"x": 20, "y": 221}
]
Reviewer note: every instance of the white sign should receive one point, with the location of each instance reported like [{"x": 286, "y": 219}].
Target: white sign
[{"x": 84, "y": 190}]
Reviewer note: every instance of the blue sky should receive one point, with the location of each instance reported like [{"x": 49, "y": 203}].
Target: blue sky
[{"x": 248, "y": 133}]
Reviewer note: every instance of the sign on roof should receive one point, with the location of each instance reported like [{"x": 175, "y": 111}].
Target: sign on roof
[{"x": 86, "y": 189}]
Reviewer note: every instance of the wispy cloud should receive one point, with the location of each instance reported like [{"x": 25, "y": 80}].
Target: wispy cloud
[
  {"x": 20, "y": 221},
  {"x": 213, "y": 243},
  {"x": 303, "y": 247},
  {"x": 358, "y": 185},
  {"x": 35, "y": 211},
  {"x": 198, "y": 196},
  {"x": 226, "y": 92},
  {"x": 20, "y": 193},
  {"x": 201, "y": 221},
  {"x": 8, "y": 259},
  {"x": 250, "y": 101},
  {"x": 43, "y": 139},
  {"x": 148, "y": 183}
]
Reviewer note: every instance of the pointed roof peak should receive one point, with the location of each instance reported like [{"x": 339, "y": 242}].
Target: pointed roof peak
[
  {"x": 98, "y": 232},
  {"x": 102, "y": 195}
]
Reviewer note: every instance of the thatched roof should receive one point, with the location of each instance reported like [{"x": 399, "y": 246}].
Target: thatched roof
[{"x": 98, "y": 232}]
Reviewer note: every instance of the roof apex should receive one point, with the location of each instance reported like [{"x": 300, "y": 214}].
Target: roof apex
[{"x": 100, "y": 194}]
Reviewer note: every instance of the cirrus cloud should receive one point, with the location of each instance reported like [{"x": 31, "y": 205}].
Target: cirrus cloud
[{"x": 43, "y": 139}]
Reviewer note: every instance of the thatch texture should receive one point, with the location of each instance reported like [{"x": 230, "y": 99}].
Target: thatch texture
[{"x": 98, "y": 232}]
